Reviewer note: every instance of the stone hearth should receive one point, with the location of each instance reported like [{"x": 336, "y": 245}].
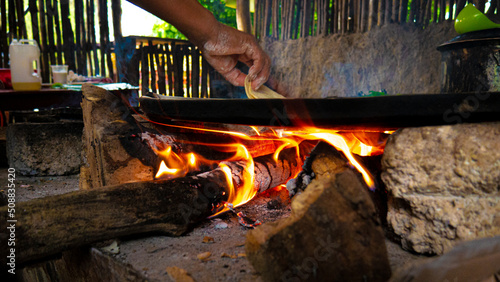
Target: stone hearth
[{"x": 444, "y": 185}]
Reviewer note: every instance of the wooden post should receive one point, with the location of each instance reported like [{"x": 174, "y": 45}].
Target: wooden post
[
  {"x": 491, "y": 9},
  {"x": 195, "y": 55},
  {"x": 403, "y": 11},
  {"x": 68, "y": 36},
  {"x": 243, "y": 16},
  {"x": 169, "y": 48},
  {"x": 388, "y": 12},
  {"x": 381, "y": 12},
  {"x": 160, "y": 63},
  {"x": 108, "y": 122},
  {"x": 480, "y": 4}
]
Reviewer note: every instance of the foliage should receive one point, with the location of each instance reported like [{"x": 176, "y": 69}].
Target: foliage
[{"x": 222, "y": 13}]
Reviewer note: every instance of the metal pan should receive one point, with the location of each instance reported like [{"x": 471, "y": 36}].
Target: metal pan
[{"x": 383, "y": 112}]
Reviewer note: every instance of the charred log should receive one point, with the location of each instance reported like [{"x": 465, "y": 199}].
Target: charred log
[
  {"x": 119, "y": 146},
  {"x": 50, "y": 225}
]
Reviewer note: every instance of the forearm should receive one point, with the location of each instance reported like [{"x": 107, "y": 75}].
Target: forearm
[
  {"x": 188, "y": 16},
  {"x": 221, "y": 45}
]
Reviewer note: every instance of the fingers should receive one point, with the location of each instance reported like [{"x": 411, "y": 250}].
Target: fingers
[
  {"x": 235, "y": 77},
  {"x": 259, "y": 71},
  {"x": 226, "y": 66},
  {"x": 261, "y": 67},
  {"x": 230, "y": 46}
]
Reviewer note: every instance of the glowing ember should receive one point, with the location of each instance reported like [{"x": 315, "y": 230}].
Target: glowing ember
[{"x": 177, "y": 164}]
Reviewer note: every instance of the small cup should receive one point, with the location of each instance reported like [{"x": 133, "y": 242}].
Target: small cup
[{"x": 59, "y": 74}]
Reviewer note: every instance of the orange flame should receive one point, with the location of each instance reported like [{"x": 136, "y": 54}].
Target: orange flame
[
  {"x": 165, "y": 170},
  {"x": 178, "y": 164}
]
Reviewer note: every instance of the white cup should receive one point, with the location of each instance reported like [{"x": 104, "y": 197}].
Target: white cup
[{"x": 59, "y": 74}]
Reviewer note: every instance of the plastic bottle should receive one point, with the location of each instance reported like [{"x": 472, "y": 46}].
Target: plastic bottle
[{"x": 25, "y": 65}]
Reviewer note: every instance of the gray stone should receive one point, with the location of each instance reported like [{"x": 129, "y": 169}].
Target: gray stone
[
  {"x": 44, "y": 149},
  {"x": 444, "y": 185},
  {"x": 401, "y": 59}
]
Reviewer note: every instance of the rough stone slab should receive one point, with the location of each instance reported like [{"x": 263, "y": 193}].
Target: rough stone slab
[
  {"x": 398, "y": 58},
  {"x": 333, "y": 234},
  {"x": 444, "y": 185},
  {"x": 44, "y": 149},
  {"x": 434, "y": 224},
  {"x": 457, "y": 160}
]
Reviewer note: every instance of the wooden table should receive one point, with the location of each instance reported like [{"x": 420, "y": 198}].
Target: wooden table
[
  {"x": 11, "y": 100},
  {"x": 48, "y": 98}
]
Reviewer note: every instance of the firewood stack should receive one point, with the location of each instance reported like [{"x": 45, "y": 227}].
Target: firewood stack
[{"x": 118, "y": 195}]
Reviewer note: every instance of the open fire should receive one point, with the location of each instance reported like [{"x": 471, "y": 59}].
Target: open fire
[{"x": 175, "y": 164}]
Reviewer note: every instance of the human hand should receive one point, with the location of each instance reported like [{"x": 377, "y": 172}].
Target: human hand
[{"x": 226, "y": 46}]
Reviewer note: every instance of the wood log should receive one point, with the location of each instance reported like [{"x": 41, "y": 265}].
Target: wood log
[
  {"x": 81, "y": 264},
  {"x": 333, "y": 233},
  {"x": 109, "y": 123},
  {"x": 50, "y": 225}
]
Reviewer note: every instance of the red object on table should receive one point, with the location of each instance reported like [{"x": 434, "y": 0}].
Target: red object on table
[{"x": 5, "y": 79}]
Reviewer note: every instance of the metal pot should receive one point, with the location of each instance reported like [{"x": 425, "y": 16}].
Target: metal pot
[{"x": 471, "y": 62}]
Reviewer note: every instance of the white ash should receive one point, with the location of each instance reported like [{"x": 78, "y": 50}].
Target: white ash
[
  {"x": 158, "y": 141},
  {"x": 298, "y": 184}
]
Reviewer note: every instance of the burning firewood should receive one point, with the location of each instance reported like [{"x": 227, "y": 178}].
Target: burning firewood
[
  {"x": 116, "y": 153},
  {"x": 50, "y": 225}
]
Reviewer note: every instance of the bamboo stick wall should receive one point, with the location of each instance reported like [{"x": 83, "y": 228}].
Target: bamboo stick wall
[
  {"x": 170, "y": 67},
  {"x": 62, "y": 40},
  {"x": 292, "y": 19},
  {"x": 161, "y": 66}
]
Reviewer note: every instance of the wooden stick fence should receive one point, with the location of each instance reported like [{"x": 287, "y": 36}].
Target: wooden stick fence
[
  {"x": 291, "y": 19},
  {"x": 61, "y": 41},
  {"x": 176, "y": 67},
  {"x": 168, "y": 67}
]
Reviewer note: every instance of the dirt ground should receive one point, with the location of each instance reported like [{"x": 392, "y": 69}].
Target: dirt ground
[{"x": 222, "y": 237}]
